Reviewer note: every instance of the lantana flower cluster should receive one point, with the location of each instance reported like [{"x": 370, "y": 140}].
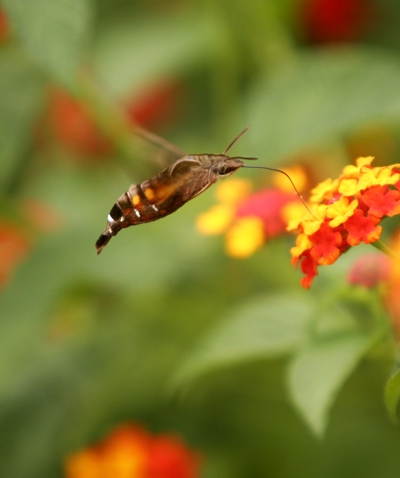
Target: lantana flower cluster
[
  {"x": 132, "y": 452},
  {"x": 247, "y": 218},
  {"x": 346, "y": 211}
]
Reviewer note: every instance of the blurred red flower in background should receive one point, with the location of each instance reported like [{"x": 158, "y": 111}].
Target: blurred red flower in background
[
  {"x": 332, "y": 21},
  {"x": 4, "y": 26},
  {"x": 74, "y": 125},
  {"x": 370, "y": 270},
  {"x": 14, "y": 247},
  {"x": 155, "y": 105},
  {"x": 40, "y": 216},
  {"x": 267, "y": 205},
  {"x": 131, "y": 452}
]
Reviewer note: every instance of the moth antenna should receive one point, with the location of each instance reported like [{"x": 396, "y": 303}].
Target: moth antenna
[
  {"x": 242, "y": 157},
  {"x": 234, "y": 141},
  {"x": 290, "y": 179}
]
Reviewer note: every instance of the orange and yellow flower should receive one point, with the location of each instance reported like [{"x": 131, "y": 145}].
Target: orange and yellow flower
[
  {"x": 346, "y": 211},
  {"x": 131, "y": 452}
]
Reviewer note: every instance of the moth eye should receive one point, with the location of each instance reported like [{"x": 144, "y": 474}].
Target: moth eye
[{"x": 222, "y": 169}]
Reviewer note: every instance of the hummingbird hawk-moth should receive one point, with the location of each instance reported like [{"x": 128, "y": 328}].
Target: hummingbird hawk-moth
[{"x": 169, "y": 190}]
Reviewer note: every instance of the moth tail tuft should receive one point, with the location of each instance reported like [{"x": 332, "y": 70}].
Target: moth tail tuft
[{"x": 103, "y": 241}]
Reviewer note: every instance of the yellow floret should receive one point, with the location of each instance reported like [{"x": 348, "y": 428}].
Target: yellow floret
[
  {"x": 302, "y": 244},
  {"x": 341, "y": 210},
  {"x": 245, "y": 237},
  {"x": 324, "y": 190},
  {"x": 232, "y": 191},
  {"x": 215, "y": 220}
]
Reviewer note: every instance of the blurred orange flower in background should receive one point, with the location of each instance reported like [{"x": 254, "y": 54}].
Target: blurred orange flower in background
[
  {"x": 14, "y": 247},
  {"x": 131, "y": 452}
]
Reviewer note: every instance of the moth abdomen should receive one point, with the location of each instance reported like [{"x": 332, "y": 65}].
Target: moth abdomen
[
  {"x": 116, "y": 213},
  {"x": 103, "y": 240},
  {"x": 116, "y": 220},
  {"x": 114, "y": 225}
]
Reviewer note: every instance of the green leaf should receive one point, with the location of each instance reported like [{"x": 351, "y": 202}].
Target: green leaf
[
  {"x": 265, "y": 327},
  {"x": 130, "y": 53},
  {"x": 321, "y": 94},
  {"x": 53, "y": 32},
  {"x": 392, "y": 391},
  {"x": 21, "y": 98},
  {"x": 319, "y": 371}
]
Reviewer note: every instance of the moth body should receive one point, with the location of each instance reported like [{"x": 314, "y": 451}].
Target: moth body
[{"x": 166, "y": 192}]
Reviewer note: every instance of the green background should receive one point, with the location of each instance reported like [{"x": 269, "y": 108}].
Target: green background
[{"x": 163, "y": 329}]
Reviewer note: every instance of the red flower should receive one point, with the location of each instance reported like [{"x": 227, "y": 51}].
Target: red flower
[
  {"x": 382, "y": 201},
  {"x": 330, "y": 21},
  {"x": 308, "y": 267},
  {"x": 267, "y": 205},
  {"x": 326, "y": 245},
  {"x": 362, "y": 229},
  {"x": 169, "y": 458}
]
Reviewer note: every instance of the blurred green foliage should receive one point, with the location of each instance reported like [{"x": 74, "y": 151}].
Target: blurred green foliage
[{"x": 163, "y": 328}]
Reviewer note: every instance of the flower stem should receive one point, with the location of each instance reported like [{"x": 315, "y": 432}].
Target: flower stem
[{"x": 379, "y": 244}]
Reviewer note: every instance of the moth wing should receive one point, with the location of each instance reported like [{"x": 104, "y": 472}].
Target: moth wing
[
  {"x": 182, "y": 181},
  {"x": 152, "y": 152}
]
